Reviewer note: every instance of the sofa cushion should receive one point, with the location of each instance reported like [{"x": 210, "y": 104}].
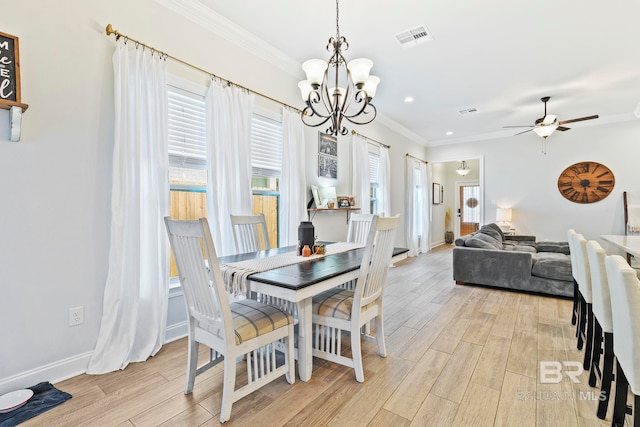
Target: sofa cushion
[
  {"x": 552, "y": 265},
  {"x": 559, "y": 247},
  {"x": 490, "y": 231},
  {"x": 521, "y": 248},
  {"x": 482, "y": 241}
]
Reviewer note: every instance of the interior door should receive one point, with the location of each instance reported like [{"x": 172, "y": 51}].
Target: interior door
[{"x": 469, "y": 208}]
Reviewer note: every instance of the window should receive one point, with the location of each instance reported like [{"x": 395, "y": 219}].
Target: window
[
  {"x": 187, "y": 156},
  {"x": 374, "y": 179},
  {"x": 187, "y": 134},
  {"x": 266, "y": 168}
]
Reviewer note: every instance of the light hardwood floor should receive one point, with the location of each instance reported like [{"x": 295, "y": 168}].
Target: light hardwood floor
[{"x": 457, "y": 356}]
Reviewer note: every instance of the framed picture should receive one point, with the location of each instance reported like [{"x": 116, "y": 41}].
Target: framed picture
[
  {"x": 343, "y": 202},
  {"x": 327, "y": 145},
  {"x": 327, "y": 166},
  {"x": 316, "y": 196},
  {"x": 437, "y": 193}
]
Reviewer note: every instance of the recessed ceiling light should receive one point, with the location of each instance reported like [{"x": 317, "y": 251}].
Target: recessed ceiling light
[
  {"x": 449, "y": 133},
  {"x": 408, "y": 99}
]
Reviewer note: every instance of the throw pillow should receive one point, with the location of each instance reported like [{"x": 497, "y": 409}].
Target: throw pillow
[
  {"x": 490, "y": 231},
  {"x": 495, "y": 226},
  {"x": 483, "y": 241}
]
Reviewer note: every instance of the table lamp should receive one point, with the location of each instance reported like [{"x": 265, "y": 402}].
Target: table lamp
[{"x": 503, "y": 216}]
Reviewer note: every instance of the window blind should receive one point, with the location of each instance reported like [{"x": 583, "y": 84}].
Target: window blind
[
  {"x": 374, "y": 164},
  {"x": 186, "y": 129},
  {"x": 266, "y": 146}
]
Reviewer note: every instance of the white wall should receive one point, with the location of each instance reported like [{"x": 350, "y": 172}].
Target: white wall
[
  {"x": 56, "y": 182},
  {"x": 445, "y": 173},
  {"x": 518, "y": 175}
]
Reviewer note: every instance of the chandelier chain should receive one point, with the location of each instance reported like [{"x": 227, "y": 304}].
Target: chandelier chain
[{"x": 337, "y": 20}]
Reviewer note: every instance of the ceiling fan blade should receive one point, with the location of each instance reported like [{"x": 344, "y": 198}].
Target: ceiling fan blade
[
  {"x": 578, "y": 120},
  {"x": 562, "y": 128},
  {"x": 520, "y": 133},
  {"x": 529, "y": 126},
  {"x": 549, "y": 119}
]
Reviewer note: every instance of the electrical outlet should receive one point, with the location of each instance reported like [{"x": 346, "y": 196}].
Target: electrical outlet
[{"x": 76, "y": 316}]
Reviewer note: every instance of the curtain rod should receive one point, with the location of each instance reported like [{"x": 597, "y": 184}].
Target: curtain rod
[
  {"x": 353, "y": 132},
  {"x": 109, "y": 30},
  {"x": 419, "y": 159}
]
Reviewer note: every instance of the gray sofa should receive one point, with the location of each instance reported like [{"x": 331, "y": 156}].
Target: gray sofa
[{"x": 487, "y": 257}]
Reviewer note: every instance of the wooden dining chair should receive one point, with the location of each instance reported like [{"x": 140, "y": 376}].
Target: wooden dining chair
[
  {"x": 250, "y": 233},
  {"x": 359, "y": 225},
  {"x": 246, "y": 329},
  {"x": 341, "y": 310},
  {"x": 625, "y": 308}
]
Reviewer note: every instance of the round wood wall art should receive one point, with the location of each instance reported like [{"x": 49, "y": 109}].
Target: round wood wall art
[{"x": 586, "y": 182}]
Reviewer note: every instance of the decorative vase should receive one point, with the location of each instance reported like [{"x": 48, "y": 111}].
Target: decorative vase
[
  {"x": 306, "y": 251},
  {"x": 448, "y": 237},
  {"x": 306, "y": 235}
]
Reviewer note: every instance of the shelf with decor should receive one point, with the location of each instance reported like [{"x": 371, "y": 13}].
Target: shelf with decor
[{"x": 311, "y": 212}]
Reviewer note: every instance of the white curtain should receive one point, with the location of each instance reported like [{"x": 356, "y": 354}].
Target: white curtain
[
  {"x": 229, "y": 110},
  {"x": 293, "y": 184},
  {"x": 136, "y": 290},
  {"x": 360, "y": 184},
  {"x": 417, "y": 202},
  {"x": 384, "y": 191}
]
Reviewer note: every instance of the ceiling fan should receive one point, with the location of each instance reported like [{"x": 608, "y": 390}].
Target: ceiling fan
[{"x": 546, "y": 125}]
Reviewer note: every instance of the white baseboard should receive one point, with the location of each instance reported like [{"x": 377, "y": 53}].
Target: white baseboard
[
  {"x": 53, "y": 373},
  {"x": 70, "y": 367},
  {"x": 175, "y": 332},
  {"x": 437, "y": 243}
]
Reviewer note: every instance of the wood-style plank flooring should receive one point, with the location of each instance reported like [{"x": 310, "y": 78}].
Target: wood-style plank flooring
[{"x": 457, "y": 356}]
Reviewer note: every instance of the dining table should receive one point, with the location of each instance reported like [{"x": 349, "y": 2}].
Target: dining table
[
  {"x": 629, "y": 244},
  {"x": 299, "y": 282}
]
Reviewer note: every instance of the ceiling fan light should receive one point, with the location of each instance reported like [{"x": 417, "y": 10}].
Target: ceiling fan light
[
  {"x": 315, "y": 68},
  {"x": 359, "y": 69},
  {"x": 545, "y": 131}
]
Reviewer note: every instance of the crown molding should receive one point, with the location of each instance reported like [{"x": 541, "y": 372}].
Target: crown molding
[
  {"x": 397, "y": 127},
  {"x": 195, "y": 11}
]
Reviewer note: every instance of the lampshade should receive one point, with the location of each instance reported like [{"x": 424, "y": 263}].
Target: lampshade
[
  {"x": 305, "y": 89},
  {"x": 545, "y": 131},
  {"x": 463, "y": 169},
  {"x": 503, "y": 214},
  {"x": 359, "y": 69},
  {"x": 315, "y": 68},
  {"x": 371, "y": 86}
]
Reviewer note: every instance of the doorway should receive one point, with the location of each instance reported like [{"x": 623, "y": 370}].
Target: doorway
[{"x": 468, "y": 208}]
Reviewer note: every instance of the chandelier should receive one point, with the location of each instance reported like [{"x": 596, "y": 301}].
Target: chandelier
[
  {"x": 329, "y": 91},
  {"x": 463, "y": 169}
]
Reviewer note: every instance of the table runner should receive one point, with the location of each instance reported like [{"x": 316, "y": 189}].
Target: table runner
[{"x": 235, "y": 274}]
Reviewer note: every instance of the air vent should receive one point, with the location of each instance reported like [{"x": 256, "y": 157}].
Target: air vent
[
  {"x": 467, "y": 111},
  {"x": 414, "y": 36}
]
